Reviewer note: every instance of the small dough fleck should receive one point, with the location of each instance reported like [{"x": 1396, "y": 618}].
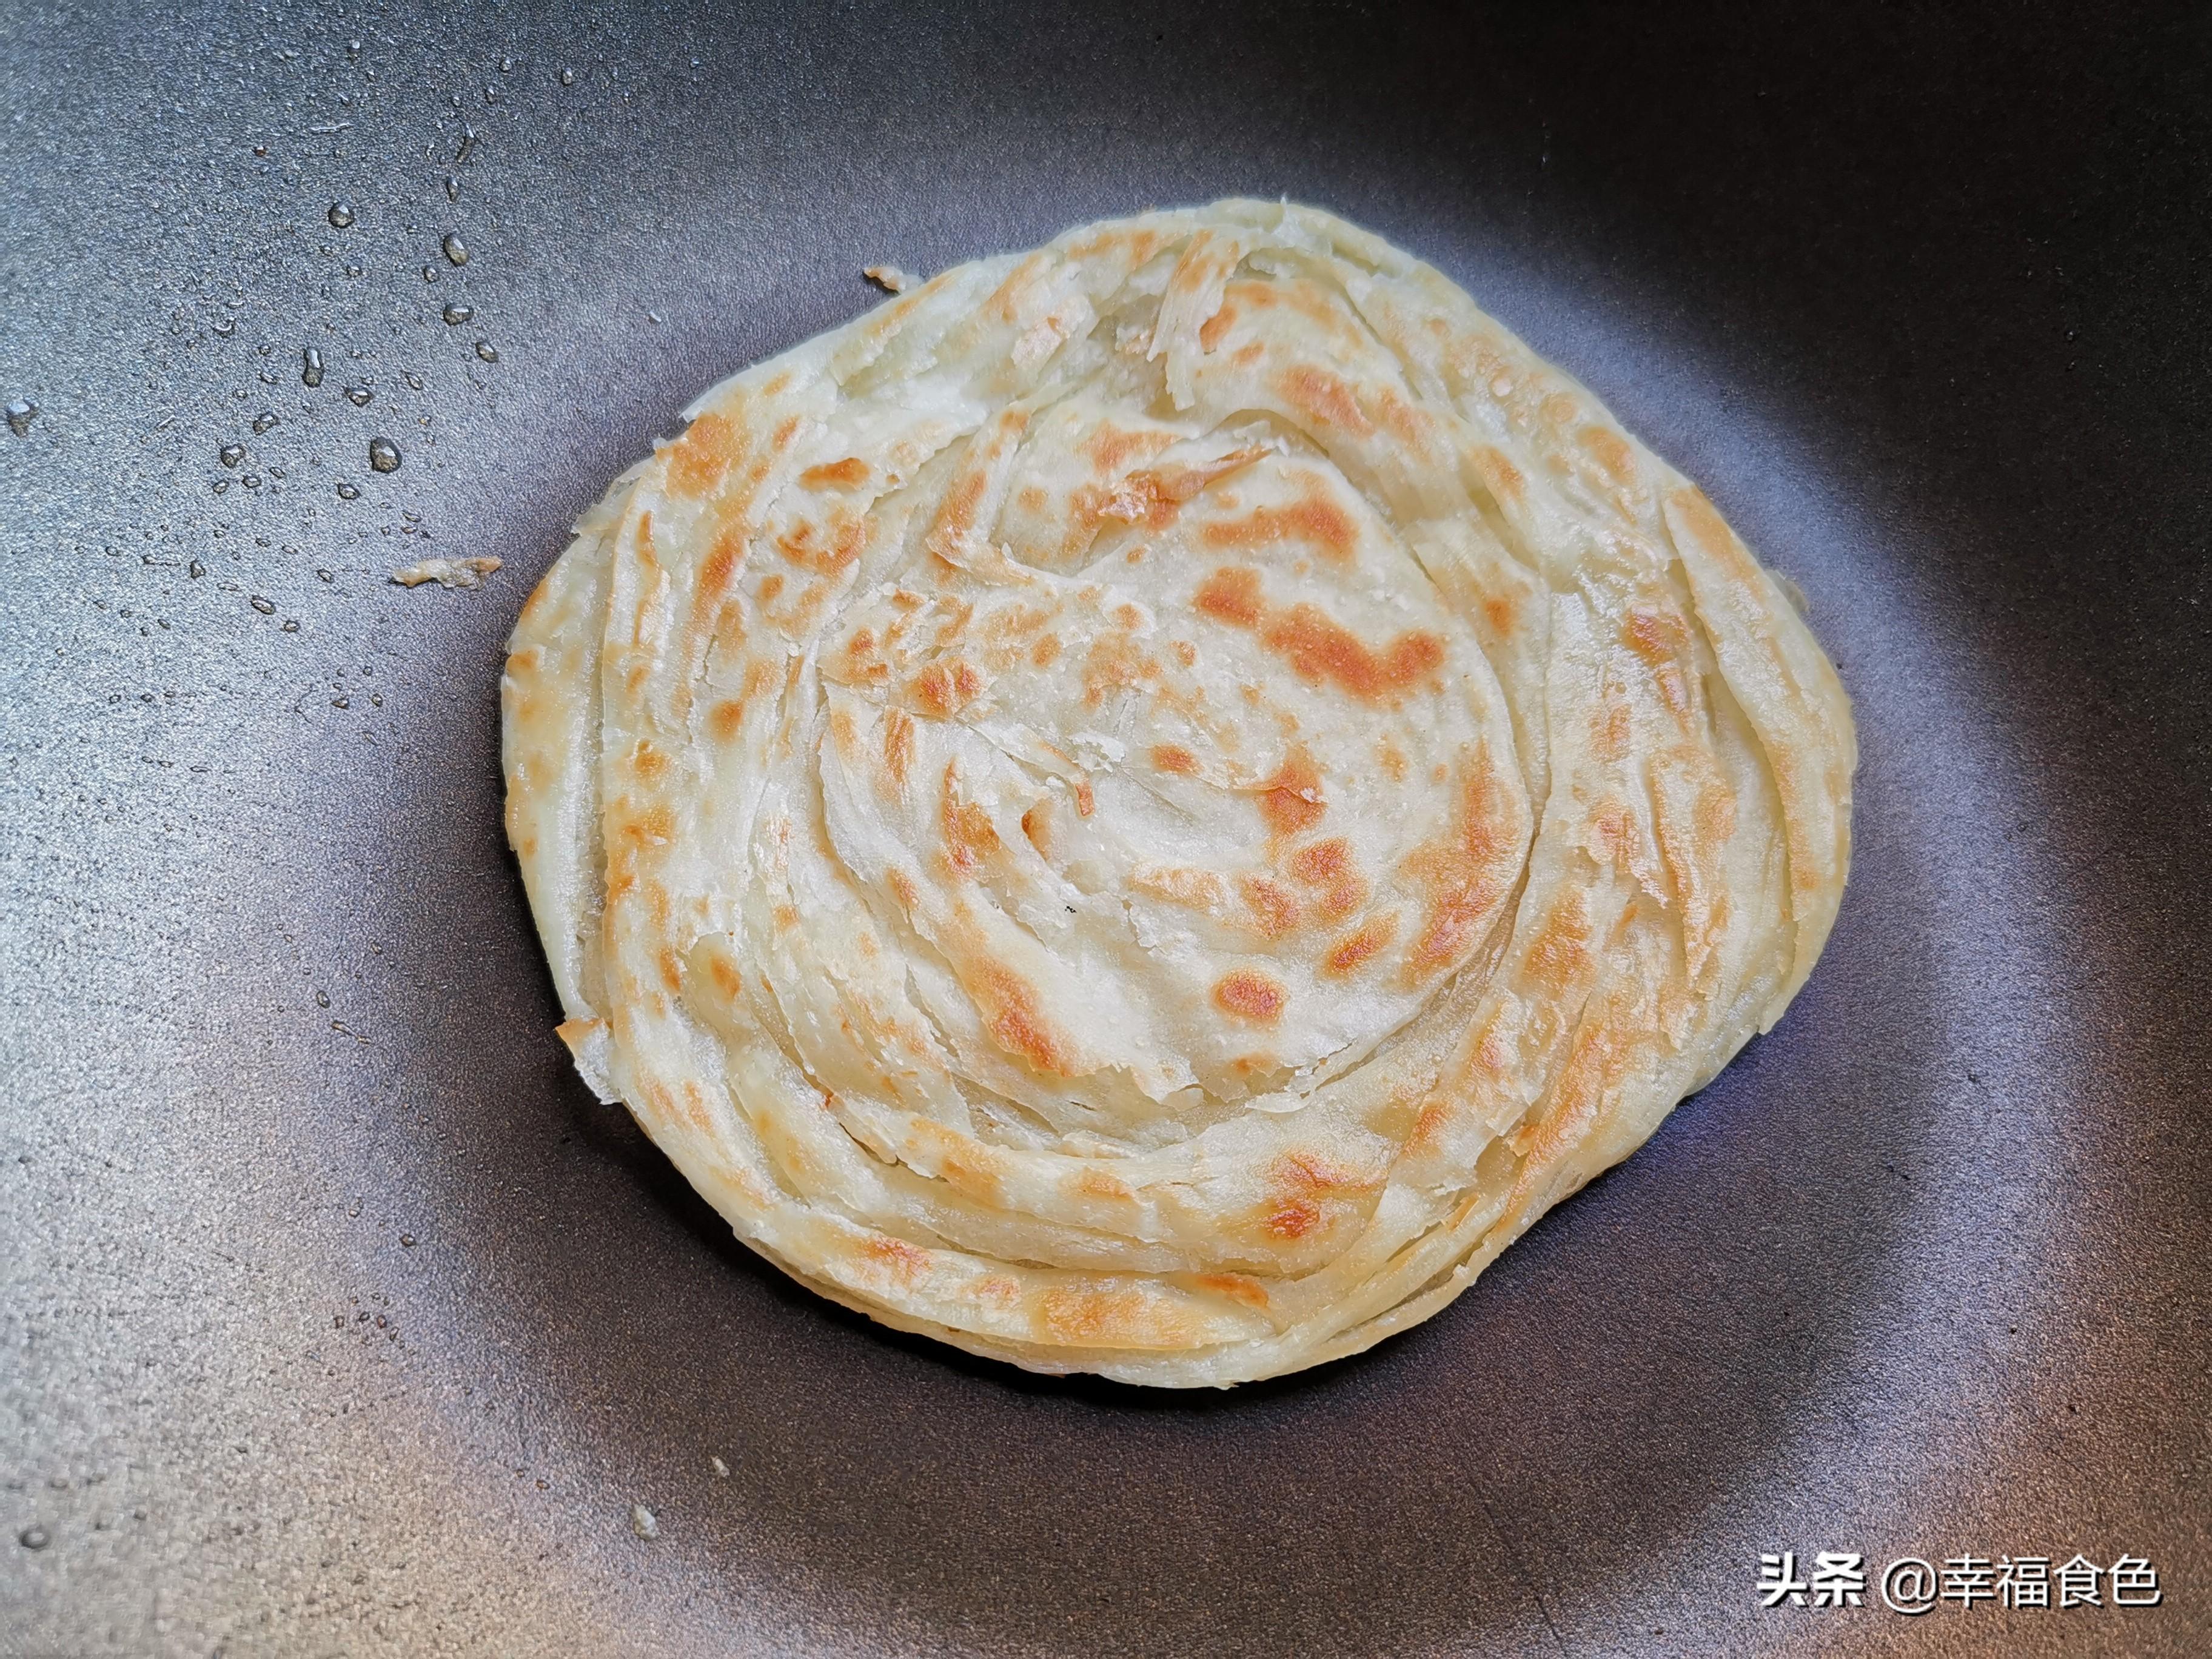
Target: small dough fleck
[
  {"x": 446, "y": 573},
  {"x": 889, "y": 278}
]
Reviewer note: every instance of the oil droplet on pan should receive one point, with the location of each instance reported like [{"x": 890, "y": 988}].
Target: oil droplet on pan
[
  {"x": 485, "y": 350},
  {"x": 456, "y": 251},
  {"x": 457, "y": 314},
  {"x": 231, "y": 454},
  {"x": 383, "y": 455},
  {"x": 358, "y": 396},
  {"x": 341, "y": 215},
  {"x": 21, "y": 414},
  {"x": 311, "y": 367},
  {"x": 348, "y": 492}
]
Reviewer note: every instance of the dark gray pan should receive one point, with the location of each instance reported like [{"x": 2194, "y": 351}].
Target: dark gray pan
[{"x": 359, "y": 1329}]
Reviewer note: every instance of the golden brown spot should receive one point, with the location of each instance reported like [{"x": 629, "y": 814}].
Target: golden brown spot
[
  {"x": 656, "y": 825},
  {"x": 1111, "y": 449},
  {"x": 1612, "y": 451},
  {"x": 957, "y": 518},
  {"x": 1501, "y": 613},
  {"x": 724, "y": 972},
  {"x": 1656, "y": 636},
  {"x": 1492, "y": 1053},
  {"x": 1323, "y": 399},
  {"x": 723, "y": 561},
  {"x": 1309, "y": 1172},
  {"x": 1080, "y": 1316},
  {"x": 1466, "y": 874},
  {"x": 898, "y": 744},
  {"x": 1033, "y": 498},
  {"x": 784, "y": 916},
  {"x": 1127, "y": 616},
  {"x": 848, "y": 537},
  {"x": 648, "y": 760},
  {"x": 1036, "y": 824},
  {"x": 1293, "y": 1220},
  {"x": 1174, "y": 757},
  {"x": 1319, "y": 649},
  {"x": 862, "y": 644},
  {"x": 1344, "y": 899},
  {"x": 1249, "y": 994},
  {"x": 903, "y": 889},
  {"x": 1045, "y": 651},
  {"x": 1610, "y": 728},
  {"x": 1008, "y": 1003},
  {"x": 1274, "y": 904},
  {"x": 1097, "y": 1183},
  {"x": 1085, "y": 802},
  {"x": 698, "y": 460},
  {"x": 1560, "y": 955},
  {"x": 1237, "y": 1287},
  {"x": 842, "y": 731},
  {"x": 1115, "y": 663},
  {"x": 769, "y": 588},
  {"x": 1429, "y": 1126},
  {"x": 1348, "y": 953},
  {"x": 1186, "y": 653},
  {"x": 1195, "y": 890},
  {"x": 1007, "y": 298},
  {"x": 1292, "y": 800},
  {"x": 1323, "y": 861},
  {"x": 1703, "y": 522},
  {"x": 1211, "y": 331},
  {"x": 946, "y": 689},
  {"x": 1230, "y": 595},
  {"x": 1400, "y": 417},
  {"x": 1499, "y": 476},
  {"x": 905, "y": 1262},
  {"x": 969, "y": 837},
  {"x": 841, "y": 475},
  {"x": 1313, "y": 519}
]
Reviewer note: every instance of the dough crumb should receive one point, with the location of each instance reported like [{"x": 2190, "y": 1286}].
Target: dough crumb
[
  {"x": 721, "y": 1469},
  {"x": 641, "y": 1522},
  {"x": 889, "y": 278},
  {"x": 446, "y": 573}
]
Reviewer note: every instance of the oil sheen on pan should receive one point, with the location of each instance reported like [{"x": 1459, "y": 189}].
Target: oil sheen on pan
[{"x": 1146, "y": 806}]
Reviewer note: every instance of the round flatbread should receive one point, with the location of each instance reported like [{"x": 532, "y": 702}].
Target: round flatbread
[{"x": 1146, "y": 806}]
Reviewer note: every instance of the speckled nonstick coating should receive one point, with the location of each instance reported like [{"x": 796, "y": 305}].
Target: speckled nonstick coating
[{"x": 360, "y": 1328}]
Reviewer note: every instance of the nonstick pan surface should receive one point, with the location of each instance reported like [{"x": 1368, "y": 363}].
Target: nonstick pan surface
[{"x": 337, "y": 1318}]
